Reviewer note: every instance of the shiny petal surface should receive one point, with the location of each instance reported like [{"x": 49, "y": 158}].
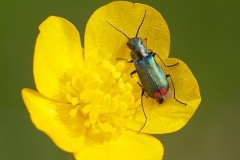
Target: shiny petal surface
[
  {"x": 128, "y": 146},
  {"x": 43, "y": 113},
  {"x": 58, "y": 49},
  {"x": 104, "y": 41},
  {"x": 171, "y": 115}
]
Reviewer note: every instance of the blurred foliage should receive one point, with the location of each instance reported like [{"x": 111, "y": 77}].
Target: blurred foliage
[{"x": 205, "y": 34}]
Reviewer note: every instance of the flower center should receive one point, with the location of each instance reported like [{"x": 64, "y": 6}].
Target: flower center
[{"x": 99, "y": 99}]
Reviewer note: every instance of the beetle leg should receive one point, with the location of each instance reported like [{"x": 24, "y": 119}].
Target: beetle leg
[
  {"x": 144, "y": 113},
  {"x": 153, "y": 54},
  {"x": 139, "y": 84},
  {"x": 174, "y": 95},
  {"x": 123, "y": 59},
  {"x": 142, "y": 89},
  {"x": 145, "y": 116},
  {"x": 145, "y": 42},
  {"x": 133, "y": 72}
]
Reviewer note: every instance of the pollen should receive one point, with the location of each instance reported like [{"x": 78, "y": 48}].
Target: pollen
[{"x": 99, "y": 99}]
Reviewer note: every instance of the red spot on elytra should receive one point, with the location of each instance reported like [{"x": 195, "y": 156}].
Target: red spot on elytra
[
  {"x": 163, "y": 91},
  {"x": 158, "y": 94}
]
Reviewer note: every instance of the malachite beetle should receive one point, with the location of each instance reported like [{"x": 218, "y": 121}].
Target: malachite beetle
[{"x": 153, "y": 80}]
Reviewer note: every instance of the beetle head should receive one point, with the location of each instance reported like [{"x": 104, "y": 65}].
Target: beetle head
[{"x": 138, "y": 49}]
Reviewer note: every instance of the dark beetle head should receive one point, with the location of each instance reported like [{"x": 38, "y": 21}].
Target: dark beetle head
[
  {"x": 160, "y": 100},
  {"x": 135, "y": 44}
]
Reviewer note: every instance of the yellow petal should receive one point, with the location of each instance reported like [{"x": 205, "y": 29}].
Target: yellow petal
[
  {"x": 104, "y": 41},
  {"x": 128, "y": 146},
  {"x": 43, "y": 113},
  {"x": 58, "y": 49},
  {"x": 171, "y": 115}
]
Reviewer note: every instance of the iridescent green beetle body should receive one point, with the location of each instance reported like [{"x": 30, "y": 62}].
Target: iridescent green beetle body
[{"x": 153, "y": 80}]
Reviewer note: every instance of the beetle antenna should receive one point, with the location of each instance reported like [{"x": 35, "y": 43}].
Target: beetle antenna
[
  {"x": 141, "y": 22},
  {"x": 118, "y": 30}
]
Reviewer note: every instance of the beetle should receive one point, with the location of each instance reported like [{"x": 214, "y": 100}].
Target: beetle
[{"x": 153, "y": 80}]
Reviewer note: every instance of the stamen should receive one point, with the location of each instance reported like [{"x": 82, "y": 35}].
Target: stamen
[
  {"x": 74, "y": 112},
  {"x": 86, "y": 109},
  {"x": 100, "y": 100}
]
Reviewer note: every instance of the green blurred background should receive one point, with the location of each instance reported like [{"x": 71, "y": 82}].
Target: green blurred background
[{"x": 205, "y": 34}]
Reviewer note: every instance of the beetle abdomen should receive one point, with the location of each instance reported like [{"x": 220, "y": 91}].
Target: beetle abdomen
[{"x": 151, "y": 75}]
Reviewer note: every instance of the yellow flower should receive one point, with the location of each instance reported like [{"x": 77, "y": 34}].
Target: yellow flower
[{"x": 86, "y": 100}]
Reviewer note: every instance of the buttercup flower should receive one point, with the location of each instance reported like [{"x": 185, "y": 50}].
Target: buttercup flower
[{"x": 87, "y": 102}]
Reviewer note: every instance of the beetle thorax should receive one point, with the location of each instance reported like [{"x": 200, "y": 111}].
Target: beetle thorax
[{"x": 138, "y": 49}]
